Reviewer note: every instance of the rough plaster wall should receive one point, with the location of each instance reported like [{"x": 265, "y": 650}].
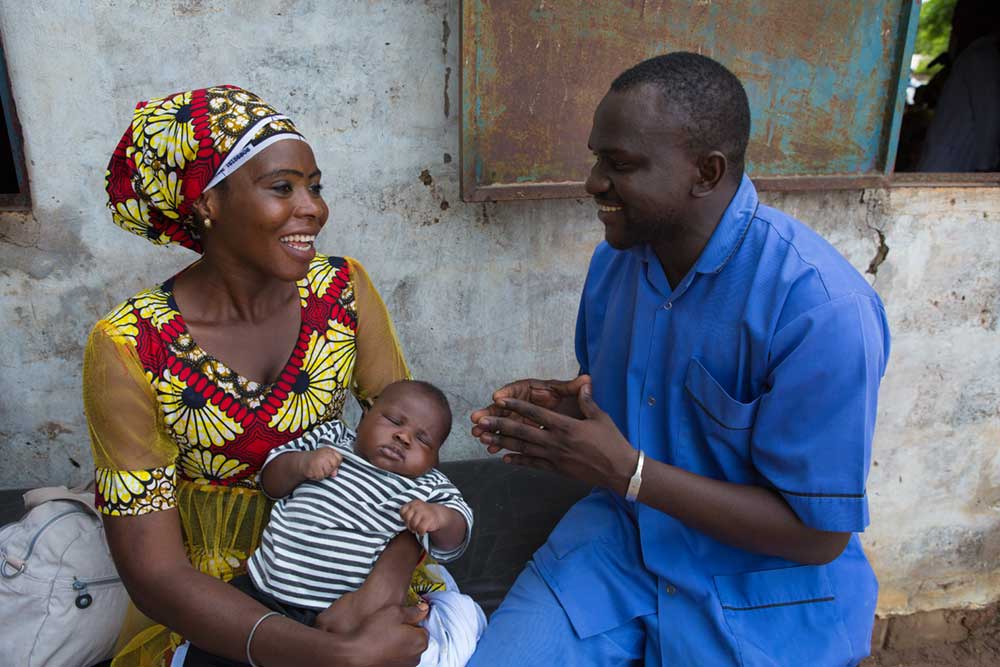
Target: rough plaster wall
[
  {"x": 480, "y": 293},
  {"x": 934, "y": 487}
]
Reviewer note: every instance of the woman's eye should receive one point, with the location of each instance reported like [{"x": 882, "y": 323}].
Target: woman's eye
[
  {"x": 283, "y": 188},
  {"x": 316, "y": 188}
]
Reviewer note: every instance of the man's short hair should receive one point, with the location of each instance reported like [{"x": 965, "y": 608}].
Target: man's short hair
[{"x": 709, "y": 99}]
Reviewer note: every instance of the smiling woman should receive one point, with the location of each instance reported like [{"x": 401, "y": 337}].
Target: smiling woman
[{"x": 190, "y": 384}]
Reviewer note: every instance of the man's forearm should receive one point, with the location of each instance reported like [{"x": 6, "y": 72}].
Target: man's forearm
[
  {"x": 280, "y": 477},
  {"x": 747, "y": 517}
]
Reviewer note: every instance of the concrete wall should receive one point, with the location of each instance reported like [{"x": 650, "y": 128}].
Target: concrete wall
[{"x": 480, "y": 293}]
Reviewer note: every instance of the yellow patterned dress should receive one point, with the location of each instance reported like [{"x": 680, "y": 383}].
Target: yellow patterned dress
[{"x": 173, "y": 427}]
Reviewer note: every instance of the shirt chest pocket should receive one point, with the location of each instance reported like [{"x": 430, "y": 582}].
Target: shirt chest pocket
[{"x": 717, "y": 429}]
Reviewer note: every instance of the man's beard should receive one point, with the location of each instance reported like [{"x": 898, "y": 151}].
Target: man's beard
[{"x": 641, "y": 230}]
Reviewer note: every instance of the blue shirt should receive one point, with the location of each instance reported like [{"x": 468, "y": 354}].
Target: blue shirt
[{"x": 760, "y": 367}]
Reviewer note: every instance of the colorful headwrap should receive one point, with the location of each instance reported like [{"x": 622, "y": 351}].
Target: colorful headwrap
[{"x": 179, "y": 146}]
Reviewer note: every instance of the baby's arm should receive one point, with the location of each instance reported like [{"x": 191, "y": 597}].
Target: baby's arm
[
  {"x": 283, "y": 473},
  {"x": 446, "y": 527}
]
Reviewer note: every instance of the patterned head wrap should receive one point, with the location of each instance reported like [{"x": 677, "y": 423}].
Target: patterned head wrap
[{"x": 179, "y": 146}]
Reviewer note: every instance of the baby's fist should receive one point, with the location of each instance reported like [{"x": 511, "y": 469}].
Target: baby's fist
[
  {"x": 321, "y": 463},
  {"x": 422, "y": 518}
]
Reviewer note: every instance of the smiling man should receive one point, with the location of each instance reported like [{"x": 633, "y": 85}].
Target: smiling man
[{"x": 730, "y": 360}]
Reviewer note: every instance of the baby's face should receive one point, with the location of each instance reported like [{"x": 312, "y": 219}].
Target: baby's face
[{"x": 402, "y": 432}]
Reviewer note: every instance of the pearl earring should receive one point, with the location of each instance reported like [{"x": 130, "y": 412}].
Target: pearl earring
[{"x": 207, "y": 223}]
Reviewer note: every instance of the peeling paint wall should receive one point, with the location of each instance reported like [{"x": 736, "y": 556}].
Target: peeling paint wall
[{"x": 480, "y": 293}]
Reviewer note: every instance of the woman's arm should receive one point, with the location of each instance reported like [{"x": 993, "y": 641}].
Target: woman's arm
[
  {"x": 386, "y": 585},
  {"x": 216, "y": 617},
  {"x": 379, "y": 360}
]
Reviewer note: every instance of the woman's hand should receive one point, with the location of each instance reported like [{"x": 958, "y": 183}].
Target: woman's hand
[
  {"x": 391, "y": 637},
  {"x": 559, "y": 396},
  {"x": 354, "y": 615}
]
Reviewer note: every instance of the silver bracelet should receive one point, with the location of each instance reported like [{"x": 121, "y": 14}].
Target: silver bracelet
[
  {"x": 633, "y": 484},
  {"x": 253, "y": 630}
]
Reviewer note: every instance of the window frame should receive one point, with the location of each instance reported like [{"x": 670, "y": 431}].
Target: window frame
[{"x": 884, "y": 175}]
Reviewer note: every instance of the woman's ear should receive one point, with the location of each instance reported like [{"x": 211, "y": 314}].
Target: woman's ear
[
  {"x": 206, "y": 205},
  {"x": 712, "y": 168}
]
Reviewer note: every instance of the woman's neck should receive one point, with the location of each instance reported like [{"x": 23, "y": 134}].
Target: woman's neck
[{"x": 217, "y": 291}]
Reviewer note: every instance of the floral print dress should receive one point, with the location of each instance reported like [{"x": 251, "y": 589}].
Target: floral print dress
[{"x": 173, "y": 427}]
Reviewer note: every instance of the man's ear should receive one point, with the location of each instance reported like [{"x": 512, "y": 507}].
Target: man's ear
[{"x": 712, "y": 168}]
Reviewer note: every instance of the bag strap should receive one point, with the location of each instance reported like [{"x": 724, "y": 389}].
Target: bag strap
[
  {"x": 36, "y": 497},
  {"x": 12, "y": 566}
]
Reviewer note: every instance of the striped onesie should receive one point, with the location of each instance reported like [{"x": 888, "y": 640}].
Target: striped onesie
[{"x": 324, "y": 538}]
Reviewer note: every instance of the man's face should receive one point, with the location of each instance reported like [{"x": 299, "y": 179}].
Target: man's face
[
  {"x": 402, "y": 432},
  {"x": 644, "y": 169}
]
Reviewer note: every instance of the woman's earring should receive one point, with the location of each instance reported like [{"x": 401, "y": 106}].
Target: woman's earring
[{"x": 207, "y": 223}]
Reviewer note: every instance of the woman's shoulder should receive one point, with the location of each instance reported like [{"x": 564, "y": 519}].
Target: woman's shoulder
[
  {"x": 152, "y": 307},
  {"x": 329, "y": 275}
]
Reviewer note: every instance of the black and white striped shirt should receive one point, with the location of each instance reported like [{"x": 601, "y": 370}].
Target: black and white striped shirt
[{"x": 323, "y": 540}]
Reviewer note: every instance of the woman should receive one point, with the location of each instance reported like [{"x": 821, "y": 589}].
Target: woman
[{"x": 188, "y": 386}]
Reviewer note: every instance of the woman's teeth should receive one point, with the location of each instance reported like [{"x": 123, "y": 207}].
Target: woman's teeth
[
  {"x": 608, "y": 209},
  {"x": 299, "y": 241}
]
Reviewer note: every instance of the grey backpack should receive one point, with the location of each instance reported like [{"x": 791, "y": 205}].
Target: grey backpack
[{"x": 61, "y": 600}]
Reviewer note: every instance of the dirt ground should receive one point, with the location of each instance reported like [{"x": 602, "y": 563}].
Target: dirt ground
[{"x": 945, "y": 639}]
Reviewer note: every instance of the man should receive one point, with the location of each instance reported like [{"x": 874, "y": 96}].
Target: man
[{"x": 729, "y": 367}]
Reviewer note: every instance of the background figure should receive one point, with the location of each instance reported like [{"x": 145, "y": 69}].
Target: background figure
[{"x": 964, "y": 134}]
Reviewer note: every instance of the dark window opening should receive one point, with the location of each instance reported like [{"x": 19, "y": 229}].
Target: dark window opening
[
  {"x": 13, "y": 175},
  {"x": 8, "y": 174}
]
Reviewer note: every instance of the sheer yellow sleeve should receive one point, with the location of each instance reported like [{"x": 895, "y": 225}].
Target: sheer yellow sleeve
[
  {"x": 133, "y": 454},
  {"x": 380, "y": 360}
]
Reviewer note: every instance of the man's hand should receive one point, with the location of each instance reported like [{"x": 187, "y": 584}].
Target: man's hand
[
  {"x": 559, "y": 396},
  {"x": 591, "y": 449},
  {"x": 422, "y": 518},
  {"x": 320, "y": 463}
]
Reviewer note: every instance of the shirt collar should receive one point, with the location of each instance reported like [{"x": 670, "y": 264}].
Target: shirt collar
[
  {"x": 730, "y": 231},
  {"x": 727, "y": 235}
]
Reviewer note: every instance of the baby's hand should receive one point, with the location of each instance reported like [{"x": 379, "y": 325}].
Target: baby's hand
[
  {"x": 321, "y": 463},
  {"x": 422, "y": 518}
]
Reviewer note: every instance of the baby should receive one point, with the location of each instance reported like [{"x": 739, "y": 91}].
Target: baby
[{"x": 341, "y": 497}]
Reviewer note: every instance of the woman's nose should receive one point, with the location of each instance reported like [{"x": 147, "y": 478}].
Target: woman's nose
[{"x": 309, "y": 206}]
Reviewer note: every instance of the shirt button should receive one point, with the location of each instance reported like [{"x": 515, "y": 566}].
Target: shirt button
[
  {"x": 668, "y": 305},
  {"x": 671, "y": 589},
  {"x": 651, "y": 400}
]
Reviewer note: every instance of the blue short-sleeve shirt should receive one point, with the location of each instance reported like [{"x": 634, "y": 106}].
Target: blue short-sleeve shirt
[{"x": 761, "y": 367}]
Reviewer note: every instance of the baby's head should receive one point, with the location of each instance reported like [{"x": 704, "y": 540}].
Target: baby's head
[{"x": 405, "y": 428}]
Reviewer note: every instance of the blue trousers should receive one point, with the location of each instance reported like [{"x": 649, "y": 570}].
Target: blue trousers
[{"x": 531, "y": 628}]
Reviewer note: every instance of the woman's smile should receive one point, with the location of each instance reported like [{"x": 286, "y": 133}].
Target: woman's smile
[{"x": 300, "y": 246}]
